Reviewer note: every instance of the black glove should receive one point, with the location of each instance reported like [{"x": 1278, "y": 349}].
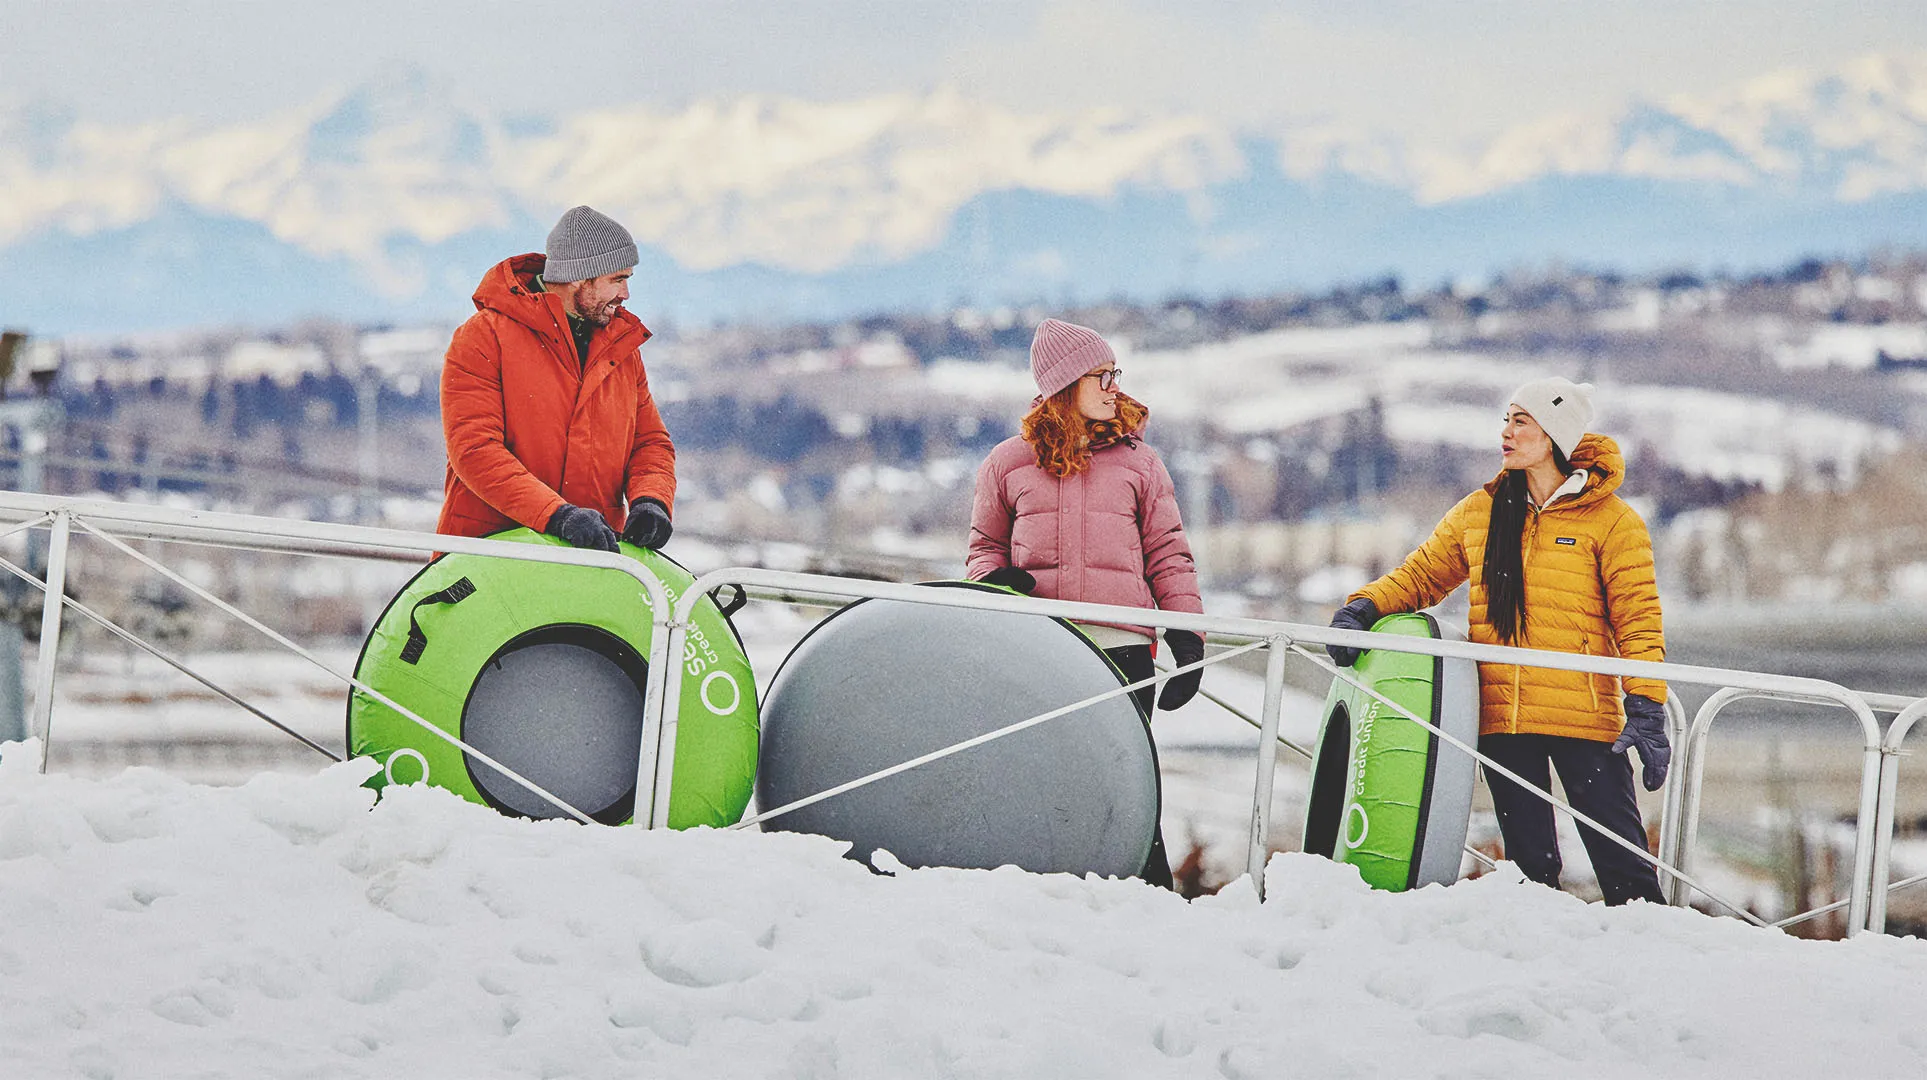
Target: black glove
[
  {"x": 648, "y": 525},
  {"x": 582, "y": 528},
  {"x": 1186, "y": 648},
  {"x": 1360, "y": 614},
  {"x": 1010, "y": 577},
  {"x": 1646, "y": 729}
]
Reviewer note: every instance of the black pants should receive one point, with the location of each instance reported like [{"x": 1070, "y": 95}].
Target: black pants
[
  {"x": 1598, "y": 783},
  {"x": 1135, "y": 662}
]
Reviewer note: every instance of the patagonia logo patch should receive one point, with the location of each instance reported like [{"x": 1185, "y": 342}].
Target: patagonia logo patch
[
  {"x": 1567, "y": 540},
  {"x": 1560, "y": 400}
]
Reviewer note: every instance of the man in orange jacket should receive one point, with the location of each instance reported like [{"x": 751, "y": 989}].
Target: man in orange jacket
[{"x": 545, "y": 402}]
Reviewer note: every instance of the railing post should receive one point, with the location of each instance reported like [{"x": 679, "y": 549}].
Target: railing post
[
  {"x": 1887, "y": 811},
  {"x": 661, "y": 757},
  {"x": 1259, "y": 847},
  {"x": 52, "y": 603},
  {"x": 1674, "y": 795},
  {"x": 1883, "y": 843},
  {"x": 1692, "y": 781},
  {"x": 1859, "y": 911},
  {"x": 661, "y": 689}
]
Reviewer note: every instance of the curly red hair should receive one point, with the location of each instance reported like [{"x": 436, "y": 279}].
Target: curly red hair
[{"x": 1064, "y": 438}]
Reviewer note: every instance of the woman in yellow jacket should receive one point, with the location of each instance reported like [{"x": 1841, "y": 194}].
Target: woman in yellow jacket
[{"x": 1556, "y": 561}]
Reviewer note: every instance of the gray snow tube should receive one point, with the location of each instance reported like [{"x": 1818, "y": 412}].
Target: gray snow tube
[{"x": 882, "y": 682}]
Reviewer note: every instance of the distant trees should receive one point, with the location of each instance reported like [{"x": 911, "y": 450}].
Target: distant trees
[
  {"x": 1338, "y": 464},
  {"x": 1673, "y": 491},
  {"x": 1365, "y": 461},
  {"x": 783, "y": 430},
  {"x": 893, "y": 438},
  {"x": 789, "y": 429}
]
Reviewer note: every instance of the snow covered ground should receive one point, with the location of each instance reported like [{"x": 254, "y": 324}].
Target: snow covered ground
[
  {"x": 277, "y": 922},
  {"x": 292, "y": 927}
]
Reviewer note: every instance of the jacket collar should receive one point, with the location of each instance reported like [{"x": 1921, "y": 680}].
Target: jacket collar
[
  {"x": 1575, "y": 483},
  {"x": 509, "y": 288},
  {"x": 1597, "y": 458}
]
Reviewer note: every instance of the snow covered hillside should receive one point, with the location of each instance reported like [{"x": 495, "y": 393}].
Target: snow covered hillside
[
  {"x": 291, "y": 927},
  {"x": 1272, "y": 382}
]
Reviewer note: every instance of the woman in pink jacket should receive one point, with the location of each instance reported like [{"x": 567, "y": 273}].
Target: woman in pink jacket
[{"x": 1077, "y": 507}]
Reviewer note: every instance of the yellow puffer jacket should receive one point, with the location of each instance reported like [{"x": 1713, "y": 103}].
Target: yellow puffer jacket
[{"x": 1589, "y": 589}]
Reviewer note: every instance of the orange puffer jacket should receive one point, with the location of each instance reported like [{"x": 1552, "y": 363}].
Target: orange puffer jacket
[
  {"x": 1589, "y": 589},
  {"x": 530, "y": 427}
]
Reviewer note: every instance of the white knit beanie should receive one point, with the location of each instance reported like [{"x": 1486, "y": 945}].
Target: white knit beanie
[
  {"x": 1062, "y": 352},
  {"x": 586, "y": 244},
  {"x": 1562, "y": 407}
]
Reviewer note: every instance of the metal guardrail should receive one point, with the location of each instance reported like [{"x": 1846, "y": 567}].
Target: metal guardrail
[
  {"x": 662, "y": 698},
  {"x": 1276, "y": 633},
  {"x": 297, "y": 537}
]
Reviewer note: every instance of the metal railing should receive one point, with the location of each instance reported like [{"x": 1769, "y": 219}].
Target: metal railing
[
  {"x": 1277, "y": 634},
  {"x": 1869, "y": 884},
  {"x": 295, "y": 537}
]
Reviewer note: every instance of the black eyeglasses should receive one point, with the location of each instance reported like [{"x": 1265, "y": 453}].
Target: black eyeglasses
[{"x": 1106, "y": 379}]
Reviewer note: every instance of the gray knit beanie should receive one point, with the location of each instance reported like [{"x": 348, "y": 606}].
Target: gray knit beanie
[{"x": 585, "y": 244}]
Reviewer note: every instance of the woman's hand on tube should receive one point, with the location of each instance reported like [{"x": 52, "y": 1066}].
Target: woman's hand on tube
[
  {"x": 1646, "y": 729},
  {"x": 1010, "y": 577},
  {"x": 1186, "y": 648},
  {"x": 1360, "y": 614}
]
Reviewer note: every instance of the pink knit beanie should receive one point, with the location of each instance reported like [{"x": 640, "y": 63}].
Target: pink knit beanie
[{"x": 1062, "y": 352}]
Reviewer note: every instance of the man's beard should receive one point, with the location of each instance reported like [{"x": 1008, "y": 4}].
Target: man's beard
[{"x": 601, "y": 315}]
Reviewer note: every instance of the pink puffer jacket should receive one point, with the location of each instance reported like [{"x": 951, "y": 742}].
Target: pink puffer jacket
[{"x": 1108, "y": 535}]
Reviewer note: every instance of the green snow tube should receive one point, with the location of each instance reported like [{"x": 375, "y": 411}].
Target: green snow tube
[
  {"x": 1388, "y": 796},
  {"x": 542, "y": 666}
]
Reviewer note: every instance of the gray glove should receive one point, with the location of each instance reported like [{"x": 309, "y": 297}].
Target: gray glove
[
  {"x": 1646, "y": 729},
  {"x": 1360, "y": 614},
  {"x": 648, "y": 525},
  {"x": 581, "y": 528}
]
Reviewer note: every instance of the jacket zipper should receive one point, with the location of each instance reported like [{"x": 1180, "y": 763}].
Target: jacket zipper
[
  {"x": 582, "y": 372},
  {"x": 1525, "y": 558},
  {"x": 1592, "y": 683},
  {"x": 1585, "y": 649}
]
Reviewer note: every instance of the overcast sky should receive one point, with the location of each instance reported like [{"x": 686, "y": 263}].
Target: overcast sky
[{"x": 1449, "y": 69}]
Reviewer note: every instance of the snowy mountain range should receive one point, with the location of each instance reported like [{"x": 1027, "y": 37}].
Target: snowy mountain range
[{"x": 387, "y": 202}]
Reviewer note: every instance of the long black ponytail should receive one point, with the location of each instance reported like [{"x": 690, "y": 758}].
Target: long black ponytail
[{"x": 1505, "y": 577}]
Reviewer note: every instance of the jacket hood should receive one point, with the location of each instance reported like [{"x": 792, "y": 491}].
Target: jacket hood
[
  {"x": 1599, "y": 456},
  {"x": 508, "y": 288}
]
